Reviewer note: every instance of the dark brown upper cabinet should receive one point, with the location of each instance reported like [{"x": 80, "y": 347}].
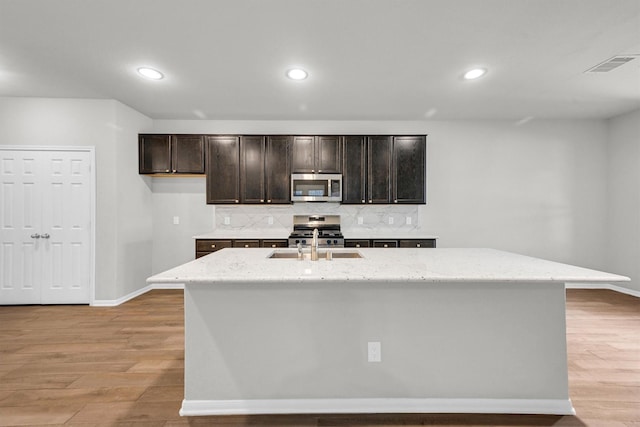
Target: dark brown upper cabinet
[
  {"x": 379, "y": 180},
  {"x": 383, "y": 169},
  {"x": 265, "y": 169},
  {"x": 408, "y": 169},
  {"x": 316, "y": 154},
  {"x": 278, "y": 169},
  {"x": 354, "y": 170},
  {"x": 223, "y": 169},
  {"x": 163, "y": 154}
]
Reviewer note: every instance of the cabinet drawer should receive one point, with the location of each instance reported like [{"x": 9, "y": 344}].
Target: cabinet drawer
[
  {"x": 212, "y": 245},
  {"x": 246, "y": 243},
  {"x": 275, "y": 243},
  {"x": 385, "y": 243},
  {"x": 417, "y": 243},
  {"x": 357, "y": 244}
]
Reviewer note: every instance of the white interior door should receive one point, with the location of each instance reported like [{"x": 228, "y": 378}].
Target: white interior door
[
  {"x": 20, "y": 221},
  {"x": 46, "y": 227}
]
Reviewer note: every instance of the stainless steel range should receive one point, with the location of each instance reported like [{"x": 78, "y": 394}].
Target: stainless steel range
[{"x": 328, "y": 226}]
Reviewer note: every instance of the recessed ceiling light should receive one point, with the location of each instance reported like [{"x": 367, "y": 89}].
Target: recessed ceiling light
[
  {"x": 150, "y": 73},
  {"x": 475, "y": 73},
  {"x": 297, "y": 74}
]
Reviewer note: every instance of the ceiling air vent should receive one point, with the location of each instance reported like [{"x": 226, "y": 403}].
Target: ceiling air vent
[{"x": 611, "y": 64}]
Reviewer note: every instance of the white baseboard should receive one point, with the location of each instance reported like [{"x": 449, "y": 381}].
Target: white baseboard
[
  {"x": 134, "y": 294},
  {"x": 608, "y": 286},
  {"x": 376, "y": 406}
]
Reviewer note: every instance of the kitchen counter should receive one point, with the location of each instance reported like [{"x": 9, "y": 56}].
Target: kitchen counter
[
  {"x": 400, "y": 330},
  {"x": 397, "y": 265},
  {"x": 282, "y": 233}
]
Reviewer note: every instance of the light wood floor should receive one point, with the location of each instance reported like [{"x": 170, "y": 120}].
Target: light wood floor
[{"x": 123, "y": 366}]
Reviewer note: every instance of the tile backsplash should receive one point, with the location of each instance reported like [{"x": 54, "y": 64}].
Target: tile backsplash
[{"x": 352, "y": 217}]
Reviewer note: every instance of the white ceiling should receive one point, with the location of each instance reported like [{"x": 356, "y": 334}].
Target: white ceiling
[{"x": 367, "y": 59}]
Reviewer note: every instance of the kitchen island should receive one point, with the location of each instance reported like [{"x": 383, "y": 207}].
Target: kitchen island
[{"x": 398, "y": 330}]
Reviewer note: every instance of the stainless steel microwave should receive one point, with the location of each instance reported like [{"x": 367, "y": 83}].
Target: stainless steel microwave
[{"x": 316, "y": 187}]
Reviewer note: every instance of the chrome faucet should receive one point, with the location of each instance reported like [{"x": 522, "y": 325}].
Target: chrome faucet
[{"x": 314, "y": 245}]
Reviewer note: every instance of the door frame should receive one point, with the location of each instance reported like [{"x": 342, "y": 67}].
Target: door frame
[{"x": 92, "y": 187}]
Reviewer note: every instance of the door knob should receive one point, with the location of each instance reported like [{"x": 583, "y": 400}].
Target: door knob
[
  {"x": 35, "y": 236},
  {"x": 45, "y": 236}
]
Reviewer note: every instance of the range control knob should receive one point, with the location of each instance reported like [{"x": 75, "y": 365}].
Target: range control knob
[
  {"x": 304, "y": 242},
  {"x": 335, "y": 242},
  {"x": 297, "y": 241},
  {"x": 328, "y": 242}
]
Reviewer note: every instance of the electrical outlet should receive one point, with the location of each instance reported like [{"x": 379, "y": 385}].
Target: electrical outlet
[
  {"x": 176, "y": 220},
  {"x": 374, "y": 351},
  {"x": 390, "y": 220},
  {"x": 270, "y": 220},
  {"x": 360, "y": 220},
  {"x": 408, "y": 220},
  {"x": 227, "y": 220}
]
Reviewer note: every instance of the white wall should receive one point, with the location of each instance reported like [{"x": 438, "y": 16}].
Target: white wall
[
  {"x": 623, "y": 243},
  {"x": 111, "y": 128},
  {"x": 537, "y": 188}
]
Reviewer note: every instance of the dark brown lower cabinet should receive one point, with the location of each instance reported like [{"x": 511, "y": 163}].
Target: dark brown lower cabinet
[
  {"x": 390, "y": 243},
  {"x": 207, "y": 246},
  {"x": 417, "y": 243},
  {"x": 384, "y": 243},
  {"x": 275, "y": 243},
  {"x": 246, "y": 243},
  {"x": 357, "y": 243}
]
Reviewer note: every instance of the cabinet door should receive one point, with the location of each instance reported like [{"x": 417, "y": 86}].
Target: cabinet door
[
  {"x": 385, "y": 243},
  {"x": 327, "y": 154},
  {"x": 417, "y": 243},
  {"x": 223, "y": 169},
  {"x": 154, "y": 154},
  {"x": 354, "y": 168},
  {"x": 274, "y": 243},
  {"x": 252, "y": 169},
  {"x": 303, "y": 154},
  {"x": 187, "y": 152},
  {"x": 409, "y": 169},
  {"x": 278, "y": 170},
  {"x": 207, "y": 246},
  {"x": 357, "y": 243},
  {"x": 379, "y": 169},
  {"x": 246, "y": 243}
]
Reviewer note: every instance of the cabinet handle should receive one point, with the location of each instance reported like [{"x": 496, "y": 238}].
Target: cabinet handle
[
  {"x": 35, "y": 236},
  {"x": 213, "y": 246},
  {"x": 418, "y": 245},
  {"x": 45, "y": 236}
]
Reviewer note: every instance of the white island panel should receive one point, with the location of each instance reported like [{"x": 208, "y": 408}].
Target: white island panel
[{"x": 461, "y": 330}]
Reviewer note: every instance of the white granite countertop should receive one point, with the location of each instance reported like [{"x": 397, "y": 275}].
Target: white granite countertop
[
  {"x": 281, "y": 233},
  {"x": 379, "y": 265}
]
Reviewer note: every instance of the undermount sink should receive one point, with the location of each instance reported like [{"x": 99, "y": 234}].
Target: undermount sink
[{"x": 322, "y": 255}]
